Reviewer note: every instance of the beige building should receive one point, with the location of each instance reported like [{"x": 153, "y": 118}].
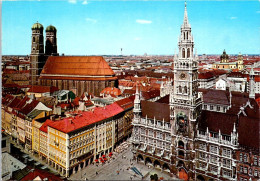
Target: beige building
[{"x": 225, "y": 64}]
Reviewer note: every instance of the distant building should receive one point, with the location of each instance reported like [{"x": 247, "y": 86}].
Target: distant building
[
  {"x": 227, "y": 65},
  {"x": 221, "y": 84}
]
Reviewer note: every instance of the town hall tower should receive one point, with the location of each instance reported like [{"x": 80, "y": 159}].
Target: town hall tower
[{"x": 185, "y": 103}]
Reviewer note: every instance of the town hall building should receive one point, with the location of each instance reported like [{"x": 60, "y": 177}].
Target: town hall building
[{"x": 197, "y": 134}]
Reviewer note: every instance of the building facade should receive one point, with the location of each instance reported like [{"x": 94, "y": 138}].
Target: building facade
[{"x": 197, "y": 135}]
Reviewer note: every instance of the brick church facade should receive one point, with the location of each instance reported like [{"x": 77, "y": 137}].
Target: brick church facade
[{"x": 76, "y": 73}]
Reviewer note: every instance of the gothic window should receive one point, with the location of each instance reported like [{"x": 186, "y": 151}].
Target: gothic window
[
  {"x": 180, "y": 91},
  {"x": 241, "y": 157},
  {"x": 181, "y": 153},
  {"x": 33, "y": 39},
  {"x": 188, "y": 53},
  {"x": 187, "y": 37},
  {"x": 245, "y": 158},
  {"x": 185, "y": 90},
  {"x": 211, "y": 107},
  {"x": 184, "y": 35},
  {"x": 183, "y": 53},
  {"x": 181, "y": 144},
  {"x": 255, "y": 173},
  {"x": 255, "y": 160}
]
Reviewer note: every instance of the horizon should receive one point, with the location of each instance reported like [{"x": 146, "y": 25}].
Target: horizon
[{"x": 151, "y": 27}]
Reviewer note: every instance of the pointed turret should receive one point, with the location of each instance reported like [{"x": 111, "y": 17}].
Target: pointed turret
[
  {"x": 252, "y": 83},
  {"x": 185, "y": 20}
]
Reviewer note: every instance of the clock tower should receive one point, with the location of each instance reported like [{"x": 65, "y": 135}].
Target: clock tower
[{"x": 185, "y": 103}]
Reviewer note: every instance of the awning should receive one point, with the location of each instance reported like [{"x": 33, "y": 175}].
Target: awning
[
  {"x": 43, "y": 167},
  {"x": 37, "y": 163}
]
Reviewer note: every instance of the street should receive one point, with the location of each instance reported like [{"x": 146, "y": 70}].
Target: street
[{"x": 118, "y": 169}]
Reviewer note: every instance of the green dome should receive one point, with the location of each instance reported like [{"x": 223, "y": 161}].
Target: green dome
[
  {"x": 37, "y": 26},
  {"x": 224, "y": 55},
  {"x": 51, "y": 28}
]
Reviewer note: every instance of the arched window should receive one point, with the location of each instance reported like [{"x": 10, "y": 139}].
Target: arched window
[
  {"x": 181, "y": 144},
  {"x": 185, "y": 90},
  {"x": 188, "y": 53},
  {"x": 187, "y": 37},
  {"x": 183, "y": 53},
  {"x": 181, "y": 153},
  {"x": 184, "y": 35},
  {"x": 180, "y": 91},
  {"x": 33, "y": 39}
]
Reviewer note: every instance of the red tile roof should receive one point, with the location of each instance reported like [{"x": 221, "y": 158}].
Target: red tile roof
[
  {"x": 45, "y": 125},
  {"x": 42, "y": 174},
  {"x": 84, "y": 119},
  {"x": 111, "y": 91},
  {"x": 125, "y": 103},
  {"x": 81, "y": 66}
]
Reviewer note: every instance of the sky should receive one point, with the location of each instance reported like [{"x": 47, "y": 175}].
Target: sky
[{"x": 86, "y": 27}]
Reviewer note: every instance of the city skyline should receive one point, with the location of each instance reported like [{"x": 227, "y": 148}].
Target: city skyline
[{"x": 151, "y": 27}]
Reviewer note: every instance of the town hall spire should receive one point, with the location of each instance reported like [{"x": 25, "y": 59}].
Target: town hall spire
[{"x": 185, "y": 20}]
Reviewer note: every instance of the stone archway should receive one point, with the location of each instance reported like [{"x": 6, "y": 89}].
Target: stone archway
[
  {"x": 156, "y": 164},
  {"x": 183, "y": 174},
  {"x": 181, "y": 164},
  {"x": 140, "y": 158},
  {"x": 148, "y": 161},
  {"x": 200, "y": 178},
  {"x": 166, "y": 167}
]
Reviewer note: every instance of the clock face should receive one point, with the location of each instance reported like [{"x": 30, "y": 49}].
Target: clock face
[{"x": 182, "y": 76}]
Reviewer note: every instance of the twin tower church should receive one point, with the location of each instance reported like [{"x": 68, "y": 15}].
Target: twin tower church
[{"x": 79, "y": 74}]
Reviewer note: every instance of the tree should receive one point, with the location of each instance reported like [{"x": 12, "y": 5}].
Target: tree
[{"x": 155, "y": 177}]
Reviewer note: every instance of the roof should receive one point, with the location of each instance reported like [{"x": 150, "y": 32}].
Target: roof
[
  {"x": 40, "y": 174},
  {"x": 87, "y": 118},
  {"x": 216, "y": 121},
  {"x": 37, "y": 26},
  {"x": 42, "y": 89},
  {"x": 156, "y": 110},
  {"x": 216, "y": 97},
  {"x": 111, "y": 91},
  {"x": 75, "y": 67},
  {"x": 125, "y": 103},
  {"x": 51, "y": 28},
  {"x": 44, "y": 127}
]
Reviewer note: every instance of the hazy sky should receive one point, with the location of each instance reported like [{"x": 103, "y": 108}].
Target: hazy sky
[{"x": 152, "y": 27}]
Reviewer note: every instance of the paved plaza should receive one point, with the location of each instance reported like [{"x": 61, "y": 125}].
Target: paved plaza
[{"x": 119, "y": 168}]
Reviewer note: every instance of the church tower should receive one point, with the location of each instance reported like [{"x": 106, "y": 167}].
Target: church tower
[
  {"x": 252, "y": 83},
  {"x": 37, "y": 58},
  {"x": 51, "y": 41},
  {"x": 185, "y": 103}
]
